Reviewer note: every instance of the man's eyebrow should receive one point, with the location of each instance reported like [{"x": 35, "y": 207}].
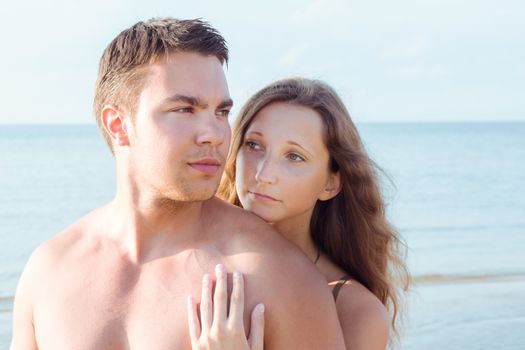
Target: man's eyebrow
[
  {"x": 225, "y": 104},
  {"x": 195, "y": 101},
  {"x": 191, "y": 100}
]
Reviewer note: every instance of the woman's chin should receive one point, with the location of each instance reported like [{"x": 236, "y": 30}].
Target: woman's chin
[{"x": 263, "y": 214}]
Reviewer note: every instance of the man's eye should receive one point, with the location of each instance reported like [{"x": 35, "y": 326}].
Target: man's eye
[
  {"x": 223, "y": 113},
  {"x": 183, "y": 110}
]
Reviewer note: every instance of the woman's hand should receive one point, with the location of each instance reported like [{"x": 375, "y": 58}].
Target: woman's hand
[{"x": 218, "y": 330}]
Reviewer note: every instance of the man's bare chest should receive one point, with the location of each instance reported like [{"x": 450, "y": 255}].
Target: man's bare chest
[{"x": 116, "y": 308}]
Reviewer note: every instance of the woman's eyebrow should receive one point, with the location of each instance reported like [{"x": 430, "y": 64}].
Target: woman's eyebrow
[{"x": 293, "y": 143}]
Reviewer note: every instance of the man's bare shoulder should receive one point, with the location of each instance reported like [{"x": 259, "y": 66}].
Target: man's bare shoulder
[
  {"x": 243, "y": 228},
  {"x": 70, "y": 242},
  {"x": 278, "y": 274},
  {"x": 243, "y": 231},
  {"x": 233, "y": 216},
  {"x": 273, "y": 260},
  {"x": 45, "y": 262}
]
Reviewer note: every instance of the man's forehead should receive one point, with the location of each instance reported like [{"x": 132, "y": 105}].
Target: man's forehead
[
  {"x": 193, "y": 75},
  {"x": 188, "y": 60}
]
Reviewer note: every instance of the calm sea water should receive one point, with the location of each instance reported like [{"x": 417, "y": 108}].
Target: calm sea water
[{"x": 458, "y": 200}]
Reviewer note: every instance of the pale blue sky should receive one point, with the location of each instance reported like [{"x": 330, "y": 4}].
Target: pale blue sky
[{"x": 404, "y": 60}]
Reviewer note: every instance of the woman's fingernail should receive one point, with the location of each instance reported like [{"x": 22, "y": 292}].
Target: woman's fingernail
[{"x": 260, "y": 308}]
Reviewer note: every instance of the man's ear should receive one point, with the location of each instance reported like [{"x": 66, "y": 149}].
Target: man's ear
[
  {"x": 332, "y": 188},
  {"x": 113, "y": 121}
]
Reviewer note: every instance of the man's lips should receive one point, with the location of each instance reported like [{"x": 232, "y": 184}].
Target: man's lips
[
  {"x": 208, "y": 166},
  {"x": 262, "y": 197}
]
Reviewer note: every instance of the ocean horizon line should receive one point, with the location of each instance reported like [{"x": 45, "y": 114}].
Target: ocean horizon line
[
  {"x": 462, "y": 228},
  {"x": 379, "y": 122}
]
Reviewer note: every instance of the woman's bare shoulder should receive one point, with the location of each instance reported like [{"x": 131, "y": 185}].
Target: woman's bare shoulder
[{"x": 364, "y": 320}]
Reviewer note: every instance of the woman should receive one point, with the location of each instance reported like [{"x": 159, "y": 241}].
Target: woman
[{"x": 297, "y": 161}]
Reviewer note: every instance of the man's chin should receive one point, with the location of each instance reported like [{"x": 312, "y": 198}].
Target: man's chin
[{"x": 198, "y": 195}]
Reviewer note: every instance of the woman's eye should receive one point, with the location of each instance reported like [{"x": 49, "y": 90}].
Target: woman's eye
[
  {"x": 252, "y": 145},
  {"x": 296, "y": 157}
]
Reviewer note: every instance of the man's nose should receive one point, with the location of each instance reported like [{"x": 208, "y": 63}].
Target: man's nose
[{"x": 212, "y": 130}]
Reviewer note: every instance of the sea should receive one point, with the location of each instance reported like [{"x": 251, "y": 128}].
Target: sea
[{"x": 454, "y": 191}]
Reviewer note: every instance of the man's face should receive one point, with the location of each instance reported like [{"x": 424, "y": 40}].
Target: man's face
[{"x": 180, "y": 135}]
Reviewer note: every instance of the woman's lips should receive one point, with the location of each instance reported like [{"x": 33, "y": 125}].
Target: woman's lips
[{"x": 262, "y": 197}]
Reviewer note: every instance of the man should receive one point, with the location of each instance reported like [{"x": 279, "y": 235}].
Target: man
[{"x": 119, "y": 277}]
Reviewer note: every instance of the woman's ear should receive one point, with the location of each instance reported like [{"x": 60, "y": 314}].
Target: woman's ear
[
  {"x": 113, "y": 121},
  {"x": 332, "y": 188}
]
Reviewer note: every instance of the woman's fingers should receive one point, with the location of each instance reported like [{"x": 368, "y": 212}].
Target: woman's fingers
[
  {"x": 256, "y": 339},
  {"x": 206, "y": 307},
  {"x": 217, "y": 330},
  {"x": 237, "y": 302},
  {"x": 193, "y": 321},
  {"x": 220, "y": 296}
]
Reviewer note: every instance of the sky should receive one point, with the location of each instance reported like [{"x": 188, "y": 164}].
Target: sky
[{"x": 390, "y": 61}]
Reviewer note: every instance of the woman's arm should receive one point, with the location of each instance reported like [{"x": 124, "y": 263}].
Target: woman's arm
[
  {"x": 364, "y": 320},
  {"x": 218, "y": 330}
]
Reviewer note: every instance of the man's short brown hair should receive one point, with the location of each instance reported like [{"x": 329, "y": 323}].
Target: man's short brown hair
[{"x": 123, "y": 65}]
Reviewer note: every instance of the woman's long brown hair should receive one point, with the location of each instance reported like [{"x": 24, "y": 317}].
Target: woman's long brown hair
[{"x": 351, "y": 228}]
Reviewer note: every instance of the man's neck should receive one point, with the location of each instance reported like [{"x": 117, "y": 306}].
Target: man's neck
[{"x": 148, "y": 227}]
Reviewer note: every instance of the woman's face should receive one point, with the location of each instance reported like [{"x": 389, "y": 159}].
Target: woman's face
[{"x": 282, "y": 165}]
